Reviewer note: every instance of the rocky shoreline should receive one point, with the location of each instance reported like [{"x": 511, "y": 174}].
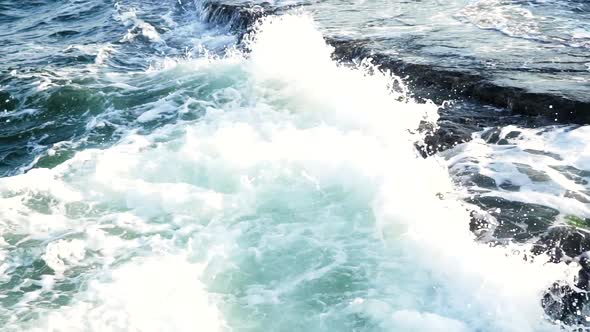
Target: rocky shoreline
[{"x": 476, "y": 103}]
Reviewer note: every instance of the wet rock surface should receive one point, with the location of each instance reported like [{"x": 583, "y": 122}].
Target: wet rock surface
[
  {"x": 563, "y": 242},
  {"x": 516, "y": 220},
  {"x": 239, "y": 17},
  {"x": 459, "y": 120},
  {"x": 443, "y": 83},
  {"x": 466, "y": 114},
  {"x": 564, "y": 304},
  {"x": 567, "y": 304},
  {"x": 436, "y": 83}
]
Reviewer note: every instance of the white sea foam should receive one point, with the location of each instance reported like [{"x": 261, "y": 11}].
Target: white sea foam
[
  {"x": 61, "y": 254},
  {"x": 297, "y": 201},
  {"x": 509, "y": 17},
  {"x": 140, "y": 297},
  {"x": 551, "y": 166},
  {"x": 137, "y": 26}
]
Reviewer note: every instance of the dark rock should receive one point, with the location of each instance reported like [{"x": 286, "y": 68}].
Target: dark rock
[
  {"x": 517, "y": 220},
  {"x": 447, "y": 136},
  {"x": 503, "y": 141},
  {"x": 491, "y": 135},
  {"x": 533, "y": 174},
  {"x": 574, "y": 174},
  {"x": 564, "y": 304},
  {"x": 544, "y": 153},
  {"x": 458, "y": 122},
  {"x": 563, "y": 241},
  {"x": 508, "y": 230},
  {"x": 512, "y": 134},
  {"x": 483, "y": 181},
  {"x": 237, "y": 17},
  {"x": 509, "y": 186},
  {"x": 443, "y": 82},
  {"x": 577, "y": 196},
  {"x": 473, "y": 180}
]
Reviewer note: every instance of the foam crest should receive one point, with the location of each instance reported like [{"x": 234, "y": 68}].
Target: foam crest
[
  {"x": 290, "y": 50},
  {"x": 547, "y": 166},
  {"x": 140, "y": 297}
]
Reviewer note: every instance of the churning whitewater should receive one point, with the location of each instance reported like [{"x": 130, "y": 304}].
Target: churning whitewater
[{"x": 293, "y": 198}]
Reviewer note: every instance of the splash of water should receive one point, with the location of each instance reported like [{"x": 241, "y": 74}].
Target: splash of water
[{"x": 296, "y": 201}]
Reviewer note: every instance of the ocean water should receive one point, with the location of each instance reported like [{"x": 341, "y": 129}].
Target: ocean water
[
  {"x": 541, "y": 46},
  {"x": 158, "y": 176}
]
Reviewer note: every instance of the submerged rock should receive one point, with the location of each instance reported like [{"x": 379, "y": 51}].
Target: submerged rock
[
  {"x": 509, "y": 186},
  {"x": 461, "y": 119},
  {"x": 533, "y": 174},
  {"x": 492, "y": 135},
  {"x": 512, "y": 135},
  {"x": 570, "y": 305},
  {"x": 563, "y": 242},
  {"x": 483, "y": 181},
  {"x": 564, "y": 304},
  {"x": 579, "y": 176},
  {"x": 448, "y": 135},
  {"x": 516, "y": 220},
  {"x": 238, "y": 17},
  {"x": 444, "y": 84},
  {"x": 475, "y": 182}
]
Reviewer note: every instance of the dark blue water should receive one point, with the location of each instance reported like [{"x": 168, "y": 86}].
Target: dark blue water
[{"x": 57, "y": 64}]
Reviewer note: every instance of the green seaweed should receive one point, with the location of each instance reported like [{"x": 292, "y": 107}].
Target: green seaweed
[{"x": 578, "y": 221}]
